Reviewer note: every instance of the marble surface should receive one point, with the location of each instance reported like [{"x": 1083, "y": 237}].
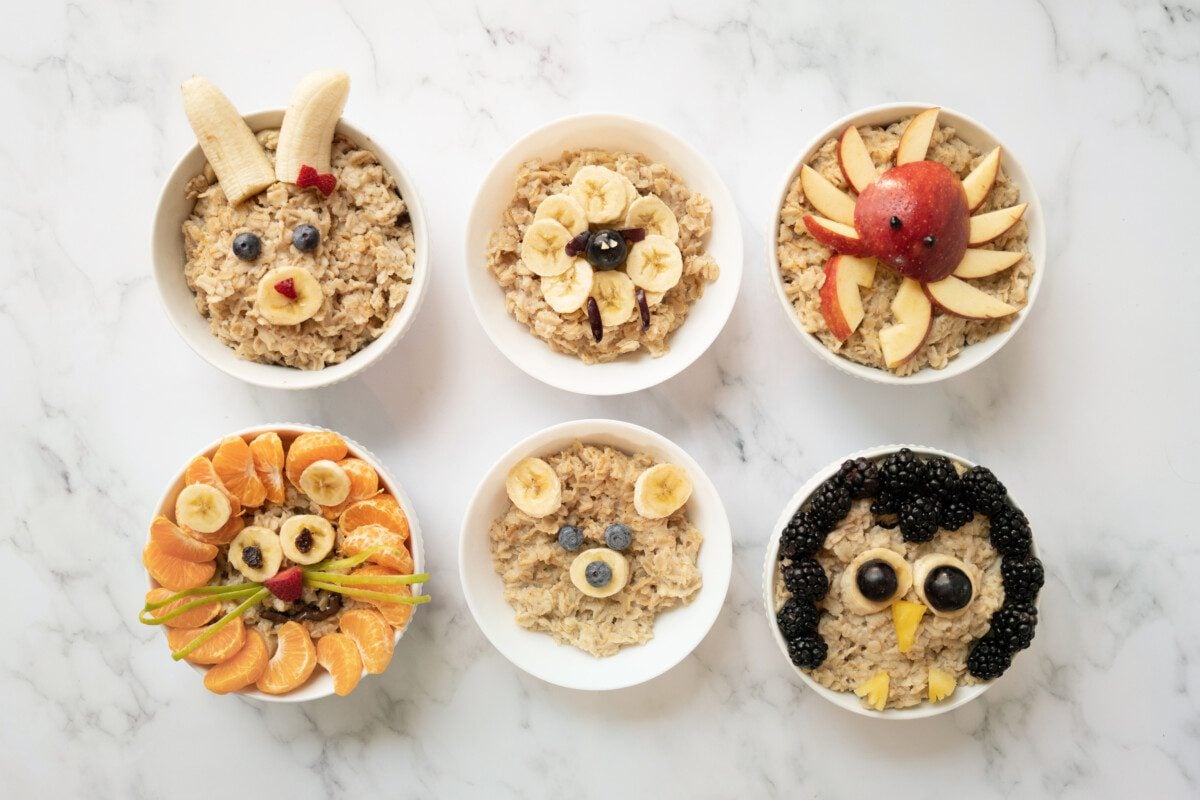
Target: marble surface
[{"x": 1089, "y": 414}]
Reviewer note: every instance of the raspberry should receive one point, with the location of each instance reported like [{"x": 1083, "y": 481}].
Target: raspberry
[
  {"x": 287, "y": 288},
  {"x": 287, "y": 585},
  {"x": 323, "y": 181}
]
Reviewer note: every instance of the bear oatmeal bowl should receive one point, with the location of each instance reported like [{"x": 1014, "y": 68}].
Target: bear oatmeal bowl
[
  {"x": 902, "y": 582},
  {"x": 298, "y": 281},
  {"x": 906, "y": 244},
  {"x": 603, "y": 254},
  {"x": 284, "y": 564}
]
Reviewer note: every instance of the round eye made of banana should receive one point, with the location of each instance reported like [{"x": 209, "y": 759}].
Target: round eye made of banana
[
  {"x": 874, "y": 580},
  {"x": 945, "y": 584}
]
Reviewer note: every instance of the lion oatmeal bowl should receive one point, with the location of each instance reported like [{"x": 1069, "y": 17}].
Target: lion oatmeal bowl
[
  {"x": 595, "y": 555},
  {"x": 313, "y": 264},
  {"x": 284, "y": 564},
  {"x": 603, "y": 254},
  {"x": 902, "y": 582},
  {"x": 907, "y": 245}
]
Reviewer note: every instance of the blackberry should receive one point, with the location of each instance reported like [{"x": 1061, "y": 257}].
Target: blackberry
[
  {"x": 941, "y": 479},
  {"x": 1023, "y": 577},
  {"x": 1010, "y": 531},
  {"x": 1012, "y": 626},
  {"x": 919, "y": 518},
  {"x": 885, "y": 508},
  {"x": 808, "y": 650},
  {"x": 802, "y": 537},
  {"x": 988, "y": 659},
  {"x": 829, "y": 504},
  {"x": 797, "y": 618},
  {"x": 955, "y": 514},
  {"x": 860, "y": 477},
  {"x": 902, "y": 473},
  {"x": 982, "y": 490},
  {"x": 806, "y": 579}
]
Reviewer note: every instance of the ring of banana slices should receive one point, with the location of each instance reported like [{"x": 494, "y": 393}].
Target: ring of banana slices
[{"x": 603, "y": 250}]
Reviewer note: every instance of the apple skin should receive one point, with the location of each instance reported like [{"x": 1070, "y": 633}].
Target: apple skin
[
  {"x": 832, "y": 239},
  {"x": 929, "y": 200},
  {"x": 844, "y": 273}
]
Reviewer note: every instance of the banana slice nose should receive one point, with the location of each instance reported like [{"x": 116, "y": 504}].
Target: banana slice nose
[{"x": 600, "y": 572}]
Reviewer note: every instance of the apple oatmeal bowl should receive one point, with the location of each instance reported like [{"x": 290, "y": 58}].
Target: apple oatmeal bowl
[
  {"x": 900, "y": 244},
  {"x": 284, "y": 562}
]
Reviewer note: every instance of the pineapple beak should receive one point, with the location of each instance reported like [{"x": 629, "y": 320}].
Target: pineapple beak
[{"x": 906, "y": 617}]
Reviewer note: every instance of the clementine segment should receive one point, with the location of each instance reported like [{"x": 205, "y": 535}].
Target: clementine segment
[
  {"x": 372, "y": 634},
  {"x": 224, "y": 643},
  {"x": 382, "y": 509},
  {"x": 310, "y": 447},
  {"x": 266, "y": 450},
  {"x": 174, "y": 542},
  {"x": 396, "y": 556},
  {"x": 241, "y": 669},
  {"x": 201, "y": 615},
  {"x": 175, "y": 573},
  {"x": 294, "y": 660},
  {"x": 338, "y": 654},
  {"x": 396, "y": 614},
  {"x": 200, "y": 470},
  {"x": 234, "y": 465}
]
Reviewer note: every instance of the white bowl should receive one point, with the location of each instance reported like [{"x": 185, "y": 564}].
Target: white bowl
[
  {"x": 639, "y": 370},
  {"x": 848, "y": 700},
  {"x": 983, "y": 139},
  {"x": 320, "y": 684},
  {"x": 676, "y": 632},
  {"x": 180, "y": 303}
]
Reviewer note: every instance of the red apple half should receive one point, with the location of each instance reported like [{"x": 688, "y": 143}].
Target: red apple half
[
  {"x": 841, "y": 303},
  {"x": 855, "y": 160},
  {"x": 914, "y": 317},
  {"x": 963, "y": 300}
]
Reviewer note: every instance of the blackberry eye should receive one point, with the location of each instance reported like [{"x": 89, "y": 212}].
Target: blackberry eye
[{"x": 945, "y": 584}]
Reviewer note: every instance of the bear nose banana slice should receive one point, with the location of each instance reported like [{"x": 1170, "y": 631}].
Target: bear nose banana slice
[
  {"x": 563, "y": 209},
  {"x": 568, "y": 292},
  {"x": 615, "y": 298},
  {"x": 600, "y": 192},
  {"x": 202, "y": 508},
  {"x": 652, "y": 214},
  {"x": 661, "y": 490},
  {"x": 655, "y": 264},
  {"x": 256, "y": 553},
  {"x": 599, "y": 572},
  {"x": 289, "y": 296},
  {"x": 306, "y": 538},
  {"x": 533, "y": 487},
  {"x": 544, "y": 248}
]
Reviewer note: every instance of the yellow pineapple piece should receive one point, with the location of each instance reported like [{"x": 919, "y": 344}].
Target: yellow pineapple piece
[
  {"x": 875, "y": 690},
  {"x": 906, "y": 617},
  {"x": 941, "y": 684}
]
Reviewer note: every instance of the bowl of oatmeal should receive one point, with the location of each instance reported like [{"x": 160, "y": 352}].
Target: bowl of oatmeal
[
  {"x": 603, "y": 254},
  {"x": 365, "y": 264},
  {"x": 868, "y": 320},
  {"x": 595, "y": 555},
  {"x": 902, "y": 582},
  {"x": 298, "y": 562}
]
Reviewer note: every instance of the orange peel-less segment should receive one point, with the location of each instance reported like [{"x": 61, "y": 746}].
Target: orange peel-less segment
[
  {"x": 294, "y": 660},
  {"x": 396, "y": 556},
  {"x": 382, "y": 509},
  {"x": 266, "y": 450},
  {"x": 339, "y": 655},
  {"x": 174, "y": 542},
  {"x": 226, "y": 534},
  {"x": 374, "y": 637},
  {"x": 224, "y": 643},
  {"x": 396, "y": 614},
  {"x": 241, "y": 669},
  {"x": 201, "y": 615},
  {"x": 234, "y": 465},
  {"x": 176, "y": 573},
  {"x": 310, "y": 447}
]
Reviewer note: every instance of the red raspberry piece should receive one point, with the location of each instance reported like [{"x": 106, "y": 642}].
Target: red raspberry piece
[
  {"x": 287, "y": 288},
  {"x": 323, "y": 181}
]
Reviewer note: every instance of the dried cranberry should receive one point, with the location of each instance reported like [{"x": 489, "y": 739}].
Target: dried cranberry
[
  {"x": 304, "y": 541},
  {"x": 578, "y": 244},
  {"x": 632, "y": 235},
  {"x": 252, "y": 556}
]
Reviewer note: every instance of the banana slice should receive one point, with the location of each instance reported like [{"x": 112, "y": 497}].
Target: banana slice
[
  {"x": 600, "y": 192},
  {"x": 568, "y": 292},
  {"x": 631, "y": 192},
  {"x": 544, "y": 248},
  {"x": 563, "y": 209},
  {"x": 228, "y": 143},
  {"x": 533, "y": 487},
  {"x": 651, "y": 213},
  {"x": 614, "y": 294},
  {"x": 275, "y": 296},
  {"x": 600, "y": 572},
  {"x": 655, "y": 263},
  {"x": 661, "y": 490},
  {"x": 202, "y": 508},
  {"x": 306, "y": 135},
  {"x": 256, "y": 553},
  {"x": 306, "y": 538},
  {"x": 325, "y": 482},
  {"x": 654, "y": 298}
]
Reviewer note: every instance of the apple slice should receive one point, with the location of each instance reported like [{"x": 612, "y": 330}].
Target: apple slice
[
  {"x": 841, "y": 304},
  {"x": 914, "y": 142},
  {"x": 914, "y": 317},
  {"x": 841, "y": 238},
  {"x": 982, "y": 263},
  {"x": 855, "y": 161},
  {"x": 986, "y": 227},
  {"x": 979, "y": 182},
  {"x": 825, "y": 197},
  {"x": 963, "y": 300}
]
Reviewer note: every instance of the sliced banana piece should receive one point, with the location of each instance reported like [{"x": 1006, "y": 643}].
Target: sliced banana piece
[
  {"x": 306, "y": 538},
  {"x": 228, "y": 143},
  {"x": 256, "y": 553},
  {"x": 852, "y": 596},
  {"x": 600, "y": 192},
  {"x": 600, "y": 572},
  {"x": 306, "y": 135},
  {"x": 631, "y": 192},
  {"x": 289, "y": 296},
  {"x": 544, "y": 248},
  {"x": 661, "y": 490},
  {"x": 654, "y": 298},
  {"x": 533, "y": 487},
  {"x": 614, "y": 293},
  {"x": 655, "y": 263},
  {"x": 569, "y": 291},
  {"x": 563, "y": 209},
  {"x": 652, "y": 214},
  {"x": 325, "y": 483},
  {"x": 202, "y": 508}
]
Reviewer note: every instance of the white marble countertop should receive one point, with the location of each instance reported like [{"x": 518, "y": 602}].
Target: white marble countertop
[{"x": 1088, "y": 415}]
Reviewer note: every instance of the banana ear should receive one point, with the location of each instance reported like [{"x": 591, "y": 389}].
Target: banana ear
[
  {"x": 306, "y": 136},
  {"x": 242, "y": 167}
]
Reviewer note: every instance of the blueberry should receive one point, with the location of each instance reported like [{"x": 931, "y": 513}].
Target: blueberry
[
  {"x": 876, "y": 580},
  {"x": 247, "y": 246},
  {"x": 618, "y": 536},
  {"x": 606, "y": 250},
  {"x": 598, "y": 574},
  {"x": 948, "y": 588},
  {"x": 570, "y": 537},
  {"x": 306, "y": 238}
]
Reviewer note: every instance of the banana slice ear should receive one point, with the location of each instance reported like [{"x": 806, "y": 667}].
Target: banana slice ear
[
  {"x": 306, "y": 135},
  {"x": 228, "y": 143}
]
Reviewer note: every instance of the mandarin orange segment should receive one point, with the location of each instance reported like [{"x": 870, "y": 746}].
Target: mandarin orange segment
[
  {"x": 364, "y": 483},
  {"x": 200, "y": 470},
  {"x": 372, "y": 634},
  {"x": 234, "y": 465},
  {"x": 241, "y": 669},
  {"x": 396, "y": 614},
  {"x": 224, "y": 643},
  {"x": 201, "y": 615},
  {"x": 294, "y": 660},
  {"x": 382, "y": 509},
  {"x": 310, "y": 447},
  {"x": 224, "y": 535},
  {"x": 267, "y": 452},
  {"x": 338, "y": 654},
  {"x": 176, "y": 573},
  {"x": 172, "y": 541},
  {"x": 396, "y": 556}
]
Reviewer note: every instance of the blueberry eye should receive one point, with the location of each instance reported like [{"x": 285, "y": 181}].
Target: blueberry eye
[
  {"x": 895, "y": 223},
  {"x": 247, "y": 246},
  {"x": 306, "y": 238},
  {"x": 570, "y": 538},
  {"x": 618, "y": 537},
  {"x": 877, "y": 580},
  {"x": 948, "y": 588}
]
